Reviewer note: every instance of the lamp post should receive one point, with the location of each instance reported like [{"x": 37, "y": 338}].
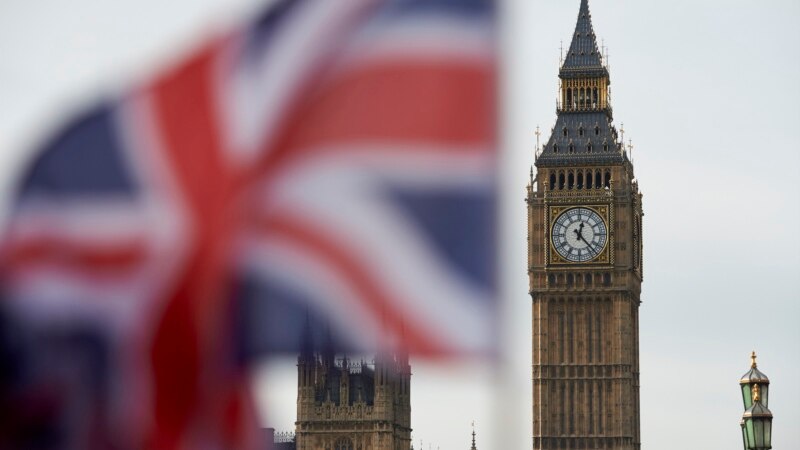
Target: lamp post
[{"x": 756, "y": 421}]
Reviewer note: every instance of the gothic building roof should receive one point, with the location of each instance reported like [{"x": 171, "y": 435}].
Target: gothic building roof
[
  {"x": 583, "y": 57},
  {"x": 582, "y": 138}
]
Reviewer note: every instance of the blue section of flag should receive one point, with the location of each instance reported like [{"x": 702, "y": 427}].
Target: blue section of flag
[
  {"x": 275, "y": 318},
  {"x": 84, "y": 158},
  {"x": 261, "y": 32},
  {"x": 472, "y": 7},
  {"x": 459, "y": 223}
]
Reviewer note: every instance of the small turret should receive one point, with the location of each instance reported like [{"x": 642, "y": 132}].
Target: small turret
[
  {"x": 306, "y": 360},
  {"x": 306, "y": 372},
  {"x": 329, "y": 352}
]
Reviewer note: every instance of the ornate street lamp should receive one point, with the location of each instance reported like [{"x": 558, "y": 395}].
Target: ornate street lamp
[{"x": 757, "y": 419}]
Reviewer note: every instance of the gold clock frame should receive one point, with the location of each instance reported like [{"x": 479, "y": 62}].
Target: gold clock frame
[{"x": 606, "y": 256}]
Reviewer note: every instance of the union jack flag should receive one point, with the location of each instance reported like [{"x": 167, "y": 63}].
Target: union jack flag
[{"x": 331, "y": 161}]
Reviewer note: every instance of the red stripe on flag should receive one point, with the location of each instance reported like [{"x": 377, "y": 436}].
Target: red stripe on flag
[
  {"x": 374, "y": 298},
  {"x": 191, "y": 328},
  {"x": 448, "y": 103},
  {"x": 96, "y": 259}
]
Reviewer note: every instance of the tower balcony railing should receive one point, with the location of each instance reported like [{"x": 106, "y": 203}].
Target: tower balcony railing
[
  {"x": 583, "y": 107},
  {"x": 575, "y": 193},
  {"x": 284, "y": 436},
  {"x": 353, "y": 367}
]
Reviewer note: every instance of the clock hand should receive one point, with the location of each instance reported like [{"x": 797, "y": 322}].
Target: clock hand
[
  {"x": 579, "y": 231},
  {"x": 587, "y": 244}
]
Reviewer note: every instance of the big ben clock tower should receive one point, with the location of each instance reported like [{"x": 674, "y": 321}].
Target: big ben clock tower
[{"x": 585, "y": 266}]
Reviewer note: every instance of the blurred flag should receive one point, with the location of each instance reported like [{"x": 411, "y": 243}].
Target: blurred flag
[{"x": 331, "y": 162}]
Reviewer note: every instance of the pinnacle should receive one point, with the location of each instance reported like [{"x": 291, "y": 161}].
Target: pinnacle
[{"x": 583, "y": 54}]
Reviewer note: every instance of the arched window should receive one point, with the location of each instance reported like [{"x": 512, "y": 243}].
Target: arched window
[
  {"x": 607, "y": 279},
  {"x": 555, "y": 148},
  {"x": 587, "y": 279},
  {"x": 564, "y": 131},
  {"x": 343, "y": 443},
  {"x": 571, "y": 148},
  {"x": 571, "y": 180},
  {"x": 561, "y": 180},
  {"x": 580, "y": 130},
  {"x": 551, "y": 279},
  {"x": 594, "y": 97},
  {"x": 596, "y": 130},
  {"x": 589, "y": 148},
  {"x": 589, "y": 179},
  {"x": 552, "y": 181},
  {"x": 605, "y": 147},
  {"x": 598, "y": 180},
  {"x": 580, "y": 180},
  {"x": 570, "y": 280},
  {"x": 569, "y": 97},
  {"x": 607, "y": 179},
  {"x": 583, "y": 98}
]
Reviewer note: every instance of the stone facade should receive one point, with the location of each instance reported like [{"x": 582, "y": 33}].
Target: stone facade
[
  {"x": 345, "y": 405},
  {"x": 585, "y": 266}
]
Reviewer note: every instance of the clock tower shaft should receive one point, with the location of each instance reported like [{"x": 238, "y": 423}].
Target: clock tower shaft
[{"x": 585, "y": 308}]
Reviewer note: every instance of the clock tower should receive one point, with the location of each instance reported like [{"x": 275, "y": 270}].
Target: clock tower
[{"x": 585, "y": 265}]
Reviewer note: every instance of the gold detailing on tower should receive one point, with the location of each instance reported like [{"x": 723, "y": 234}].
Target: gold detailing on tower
[
  {"x": 584, "y": 94},
  {"x": 753, "y": 360},
  {"x": 756, "y": 393}
]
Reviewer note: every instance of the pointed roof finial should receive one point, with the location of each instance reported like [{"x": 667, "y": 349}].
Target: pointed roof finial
[
  {"x": 329, "y": 349},
  {"x": 753, "y": 360},
  {"x": 307, "y": 341},
  {"x": 473, "y": 437}
]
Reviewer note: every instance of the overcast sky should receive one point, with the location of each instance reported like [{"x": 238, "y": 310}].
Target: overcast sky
[{"x": 708, "y": 92}]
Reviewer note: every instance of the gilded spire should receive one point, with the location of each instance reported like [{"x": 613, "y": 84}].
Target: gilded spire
[{"x": 753, "y": 360}]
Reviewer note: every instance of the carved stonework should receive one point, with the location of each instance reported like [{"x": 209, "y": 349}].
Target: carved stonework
[{"x": 353, "y": 406}]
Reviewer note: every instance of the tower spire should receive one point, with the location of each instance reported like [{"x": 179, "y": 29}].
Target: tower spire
[
  {"x": 584, "y": 130},
  {"x": 583, "y": 57},
  {"x": 473, "y": 437}
]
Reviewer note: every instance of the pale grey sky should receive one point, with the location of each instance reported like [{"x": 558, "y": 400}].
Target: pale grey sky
[{"x": 708, "y": 91}]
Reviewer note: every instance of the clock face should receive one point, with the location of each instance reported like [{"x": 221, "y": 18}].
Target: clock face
[{"x": 579, "y": 234}]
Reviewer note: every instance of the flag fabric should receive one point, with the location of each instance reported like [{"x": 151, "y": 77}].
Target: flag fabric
[{"x": 330, "y": 161}]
